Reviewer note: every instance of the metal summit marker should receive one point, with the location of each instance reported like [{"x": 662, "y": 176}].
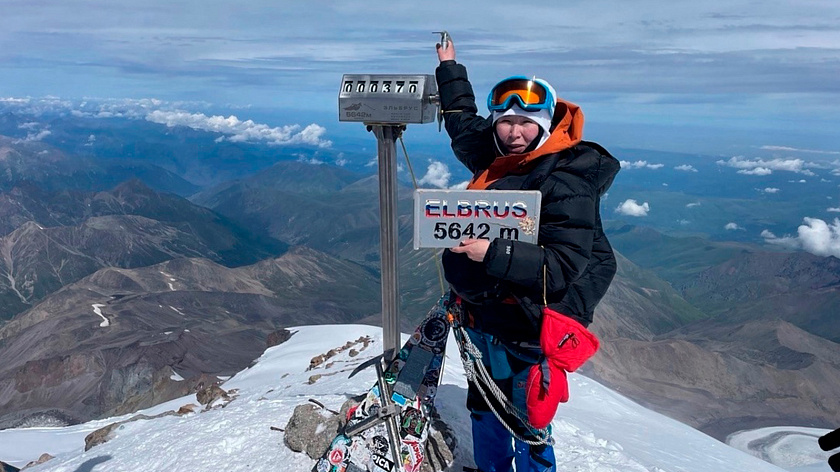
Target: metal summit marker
[{"x": 386, "y": 103}]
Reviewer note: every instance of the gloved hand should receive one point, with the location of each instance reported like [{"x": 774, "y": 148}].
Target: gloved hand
[{"x": 567, "y": 345}]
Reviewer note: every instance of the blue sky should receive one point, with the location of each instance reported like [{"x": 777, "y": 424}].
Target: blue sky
[{"x": 676, "y": 75}]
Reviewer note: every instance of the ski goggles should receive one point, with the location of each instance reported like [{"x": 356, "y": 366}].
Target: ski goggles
[{"x": 529, "y": 94}]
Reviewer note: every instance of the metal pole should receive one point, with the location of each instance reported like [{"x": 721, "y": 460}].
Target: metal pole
[{"x": 386, "y": 137}]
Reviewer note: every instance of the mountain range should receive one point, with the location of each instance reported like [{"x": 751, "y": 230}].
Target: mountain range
[
  {"x": 112, "y": 341},
  {"x": 719, "y": 334}
]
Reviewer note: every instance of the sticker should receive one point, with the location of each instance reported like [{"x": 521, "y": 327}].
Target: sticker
[
  {"x": 431, "y": 377},
  {"x": 415, "y": 338},
  {"x": 336, "y": 456},
  {"x": 359, "y": 452},
  {"x": 427, "y": 393},
  {"x": 383, "y": 462},
  {"x": 351, "y": 411},
  {"x": 412, "y": 423},
  {"x": 434, "y": 330},
  {"x": 379, "y": 445},
  {"x": 412, "y": 455},
  {"x": 340, "y": 440},
  {"x": 323, "y": 465}
]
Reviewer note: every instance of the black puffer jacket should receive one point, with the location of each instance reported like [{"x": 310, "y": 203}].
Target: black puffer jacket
[{"x": 572, "y": 244}]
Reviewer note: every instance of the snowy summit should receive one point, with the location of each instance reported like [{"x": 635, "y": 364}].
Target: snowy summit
[{"x": 597, "y": 431}]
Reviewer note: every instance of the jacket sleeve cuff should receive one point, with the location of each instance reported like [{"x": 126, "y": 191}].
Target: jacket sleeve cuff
[{"x": 527, "y": 271}]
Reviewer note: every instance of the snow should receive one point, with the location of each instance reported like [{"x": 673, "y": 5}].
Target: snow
[
  {"x": 793, "y": 448},
  {"x": 598, "y": 430},
  {"x": 176, "y": 376},
  {"x": 176, "y": 310},
  {"x": 97, "y": 309}
]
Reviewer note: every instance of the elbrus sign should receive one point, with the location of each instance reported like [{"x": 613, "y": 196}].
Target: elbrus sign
[{"x": 442, "y": 218}]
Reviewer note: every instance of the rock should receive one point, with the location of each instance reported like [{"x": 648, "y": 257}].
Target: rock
[
  {"x": 314, "y": 378},
  {"x": 278, "y": 337},
  {"x": 210, "y": 394},
  {"x": 308, "y": 419},
  {"x": 311, "y": 430},
  {"x": 316, "y": 361},
  {"x": 103, "y": 435},
  {"x": 188, "y": 408},
  {"x": 7, "y": 468},
  {"x": 440, "y": 448},
  {"x": 353, "y": 353},
  {"x": 100, "y": 436}
]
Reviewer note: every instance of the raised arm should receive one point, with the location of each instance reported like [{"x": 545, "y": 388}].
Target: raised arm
[{"x": 471, "y": 134}]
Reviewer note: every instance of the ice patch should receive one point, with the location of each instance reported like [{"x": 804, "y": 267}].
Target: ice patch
[
  {"x": 176, "y": 377},
  {"x": 96, "y": 309}
]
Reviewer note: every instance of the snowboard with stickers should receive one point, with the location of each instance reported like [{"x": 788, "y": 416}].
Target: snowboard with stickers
[{"x": 387, "y": 431}]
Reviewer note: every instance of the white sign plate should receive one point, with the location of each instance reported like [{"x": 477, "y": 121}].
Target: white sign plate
[{"x": 442, "y": 218}]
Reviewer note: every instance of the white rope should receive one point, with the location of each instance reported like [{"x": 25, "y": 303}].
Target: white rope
[{"x": 471, "y": 357}]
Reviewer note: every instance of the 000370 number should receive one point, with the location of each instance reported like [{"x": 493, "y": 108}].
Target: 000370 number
[{"x": 454, "y": 231}]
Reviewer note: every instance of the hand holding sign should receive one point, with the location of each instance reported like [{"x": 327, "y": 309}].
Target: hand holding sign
[{"x": 475, "y": 249}]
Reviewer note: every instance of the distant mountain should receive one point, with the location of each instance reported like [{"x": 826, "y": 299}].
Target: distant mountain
[
  {"x": 53, "y": 170},
  {"x": 129, "y": 226},
  {"x": 797, "y": 287},
  {"x": 321, "y": 206},
  {"x": 741, "y": 281},
  {"x": 725, "y": 377},
  {"x": 718, "y": 371},
  {"x": 190, "y": 316},
  {"x": 639, "y": 305}
]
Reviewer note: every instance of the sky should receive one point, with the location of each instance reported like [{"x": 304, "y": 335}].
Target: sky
[{"x": 684, "y": 75}]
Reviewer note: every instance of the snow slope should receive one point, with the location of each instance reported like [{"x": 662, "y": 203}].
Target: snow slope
[
  {"x": 598, "y": 430},
  {"x": 794, "y": 449}
]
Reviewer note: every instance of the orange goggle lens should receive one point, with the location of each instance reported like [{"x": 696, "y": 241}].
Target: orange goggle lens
[
  {"x": 527, "y": 92},
  {"x": 528, "y": 97}
]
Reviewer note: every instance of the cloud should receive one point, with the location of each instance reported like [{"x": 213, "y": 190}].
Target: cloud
[
  {"x": 814, "y": 236},
  {"x": 686, "y": 168},
  {"x": 833, "y": 210},
  {"x": 32, "y": 137},
  {"x": 30, "y": 126},
  {"x": 692, "y": 205},
  {"x": 460, "y": 185},
  {"x": 770, "y": 190},
  {"x": 640, "y": 165},
  {"x": 792, "y": 149},
  {"x": 756, "y": 171},
  {"x": 764, "y": 166},
  {"x": 437, "y": 175},
  {"x": 242, "y": 131},
  {"x": 733, "y": 227},
  {"x": 632, "y": 208},
  {"x": 309, "y": 159}
]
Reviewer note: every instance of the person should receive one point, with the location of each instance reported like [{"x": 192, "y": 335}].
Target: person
[{"x": 531, "y": 141}]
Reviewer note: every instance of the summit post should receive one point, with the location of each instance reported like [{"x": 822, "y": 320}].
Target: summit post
[{"x": 385, "y": 104}]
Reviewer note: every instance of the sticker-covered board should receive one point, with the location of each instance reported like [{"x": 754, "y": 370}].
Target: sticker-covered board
[{"x": 368, "y": 443}]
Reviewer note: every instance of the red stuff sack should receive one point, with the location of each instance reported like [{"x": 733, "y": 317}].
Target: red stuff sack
[{"x": 567, "y": 345}]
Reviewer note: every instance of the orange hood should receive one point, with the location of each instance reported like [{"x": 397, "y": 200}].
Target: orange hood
[{"x": 567, "y": 133}]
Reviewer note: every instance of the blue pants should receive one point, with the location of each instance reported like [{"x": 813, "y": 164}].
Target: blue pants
[{"x": 494, "y": 448}]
